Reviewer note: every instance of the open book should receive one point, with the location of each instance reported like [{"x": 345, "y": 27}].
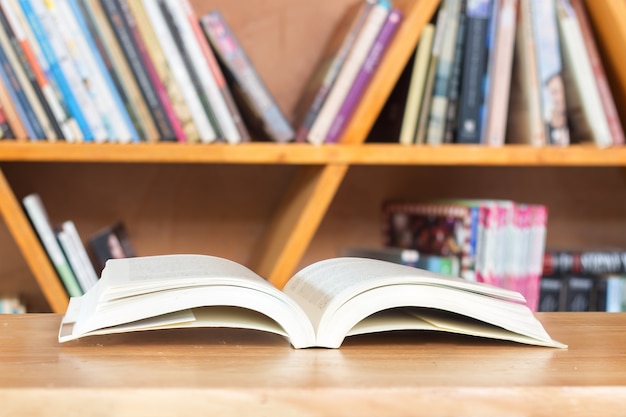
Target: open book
[{"x": 319, "y": 306}]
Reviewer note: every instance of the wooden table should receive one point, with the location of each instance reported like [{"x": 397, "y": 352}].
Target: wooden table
[{"x": 223, "y": 372}]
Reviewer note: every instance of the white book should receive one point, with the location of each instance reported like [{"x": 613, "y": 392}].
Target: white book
[
  {"x": 319, "y": 306},
  {"x": 87, "y": 276},
  {"x": 181, "y": 12},
  {"x": 175, "y": 61},
  {"x": 39, "y": 218},
  {"x": 349, "y": 71}
]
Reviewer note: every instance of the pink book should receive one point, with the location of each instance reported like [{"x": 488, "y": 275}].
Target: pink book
[
  {"x": 363, "y": 77},
  {"x": 538, "y": 229},
  {"x": 157, "y": 84}
]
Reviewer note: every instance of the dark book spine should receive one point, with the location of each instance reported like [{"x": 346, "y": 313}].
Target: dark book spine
[
  {"x": 551, "y": 292},
  {"x": 4, "y": 23},
  {"x": 455, "y": 78},
  {"x": 475, "y": 61},
  {"x": 578, "y": 293},
  {"x": 193, "y": 75},
  {"x": 584, "y": 262},
  {"x": 127, "y": 41}
]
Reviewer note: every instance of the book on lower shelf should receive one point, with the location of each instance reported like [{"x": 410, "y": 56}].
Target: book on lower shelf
[{"x": 319, "y": 306}]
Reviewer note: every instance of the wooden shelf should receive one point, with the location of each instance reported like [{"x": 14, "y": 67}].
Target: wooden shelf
[{"x": 304, "y": 154}]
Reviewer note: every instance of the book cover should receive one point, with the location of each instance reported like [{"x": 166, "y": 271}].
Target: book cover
[
  {"x": 550, "y": 67},
  {"x": 337, "y": 94},
  {"x": 471, "y": 97},
  {"x": 415, "y": 95},
  {"x": 258, "y": 107},
  {"x": 365, "y": 73},
  {"x": 112, "y": 242},
  {"x": 319, "y": 306},
  {"x": 328, "y": 66}
]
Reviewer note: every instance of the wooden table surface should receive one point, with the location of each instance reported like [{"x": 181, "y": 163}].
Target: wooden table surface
[{"x": 242, "y": 372}]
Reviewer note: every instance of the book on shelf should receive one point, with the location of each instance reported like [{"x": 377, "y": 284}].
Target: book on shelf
[
  {"x": 329, "y": 64},
  {"x": 76, "y": 254},
  {"x": 319, "y": 306},
  {"x": 583, "y": 292},
  {"x": 584, "y": 261},
  {"x": 11, "y": 305},
  {"x": 38, "y": 216},
  {"x": 366, "y": 38},
  {"x": 257, "y": 105},
  {"x": 111, "y": 242}
]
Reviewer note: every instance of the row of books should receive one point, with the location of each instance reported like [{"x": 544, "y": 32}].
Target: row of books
[
  {"x": 499, "y": 242},
  {"x": 78, "y": 268},
  {"x": 571, "y": 292},
  {"x": 505, "y": 71},
  {"x": 128, "y": 71}
]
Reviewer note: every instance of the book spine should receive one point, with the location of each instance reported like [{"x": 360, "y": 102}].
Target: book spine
[
  {"x": 163, "y": 99},
  {"x": 11, "y": 107},
  {"x": 550, "y": 67},
  {"x": 246, "y": 78},
  {"x": 365, "y": 73},
  {"x": 117, "y": 64},
  {"x": 5, "y": 128},
  {"x": 474, "y": 69},
  {"x": 608, "y": 104},
  {"x": 41, "y": 223},
  {"x": 135, "y": 60},
  {"x": 332, "y": 71},
  {"x": 496, "y": 114},
  {"x": 348, "y": 73},
  {"x": 173, "y": 55},
  {"x": 450, "y": 129},
  {"x": 108, "y": 94},
  {"x": 194, "y": 77},
  {"x": 416, "y": 85},
  {"x": 584, "y": 262},
  {"x": 199, "y": 70},
  {"x": 46, "y": 39},
  {"x": 235, "y": 127},
  {"x": 539, "y": 223},
  {"x": 164, "y": 71},
  {"x": 439, "y": 102}
]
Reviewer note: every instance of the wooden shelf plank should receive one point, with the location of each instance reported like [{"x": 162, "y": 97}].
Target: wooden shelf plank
[{"x": 304, "y": 154}]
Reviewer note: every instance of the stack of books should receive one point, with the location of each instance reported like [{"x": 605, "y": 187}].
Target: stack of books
[
  {"x": 498, "y": 242},
  {"x": 128, "y": 71}
]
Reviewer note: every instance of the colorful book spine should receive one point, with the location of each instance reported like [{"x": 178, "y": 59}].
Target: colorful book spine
[
  {"x": 5, "y": 128},
  {"x": 135, "y": 59},
  {"x": 122, "y": 129},
  {"x": 596, "y": 262},
  {"x": 173, "y": 55},
  {"x": 496, "y": 114},
  {"x": 235, "y": 127},
  {"x": 471, "y": 99},
  {"x": 328, "y": 68},
  {"x": 349, "y": 71},
  {"x": 45, "y": 39},
  {"x": 439, "y": 102},
  {"x": 255, "y": 99},
  {"x": 10, "y": 111},
  {"x": 365, "y": 74}
]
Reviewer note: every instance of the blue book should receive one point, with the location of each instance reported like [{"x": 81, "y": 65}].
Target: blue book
[
  {"x": 80, "y": 18},
  {"x": 55, "y": 68}
]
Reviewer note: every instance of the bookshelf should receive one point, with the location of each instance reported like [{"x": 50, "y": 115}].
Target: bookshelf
[{"x": 278, "y": 207}]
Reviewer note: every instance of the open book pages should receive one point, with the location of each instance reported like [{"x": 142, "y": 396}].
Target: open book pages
[{"x": 319, "y": 306}]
